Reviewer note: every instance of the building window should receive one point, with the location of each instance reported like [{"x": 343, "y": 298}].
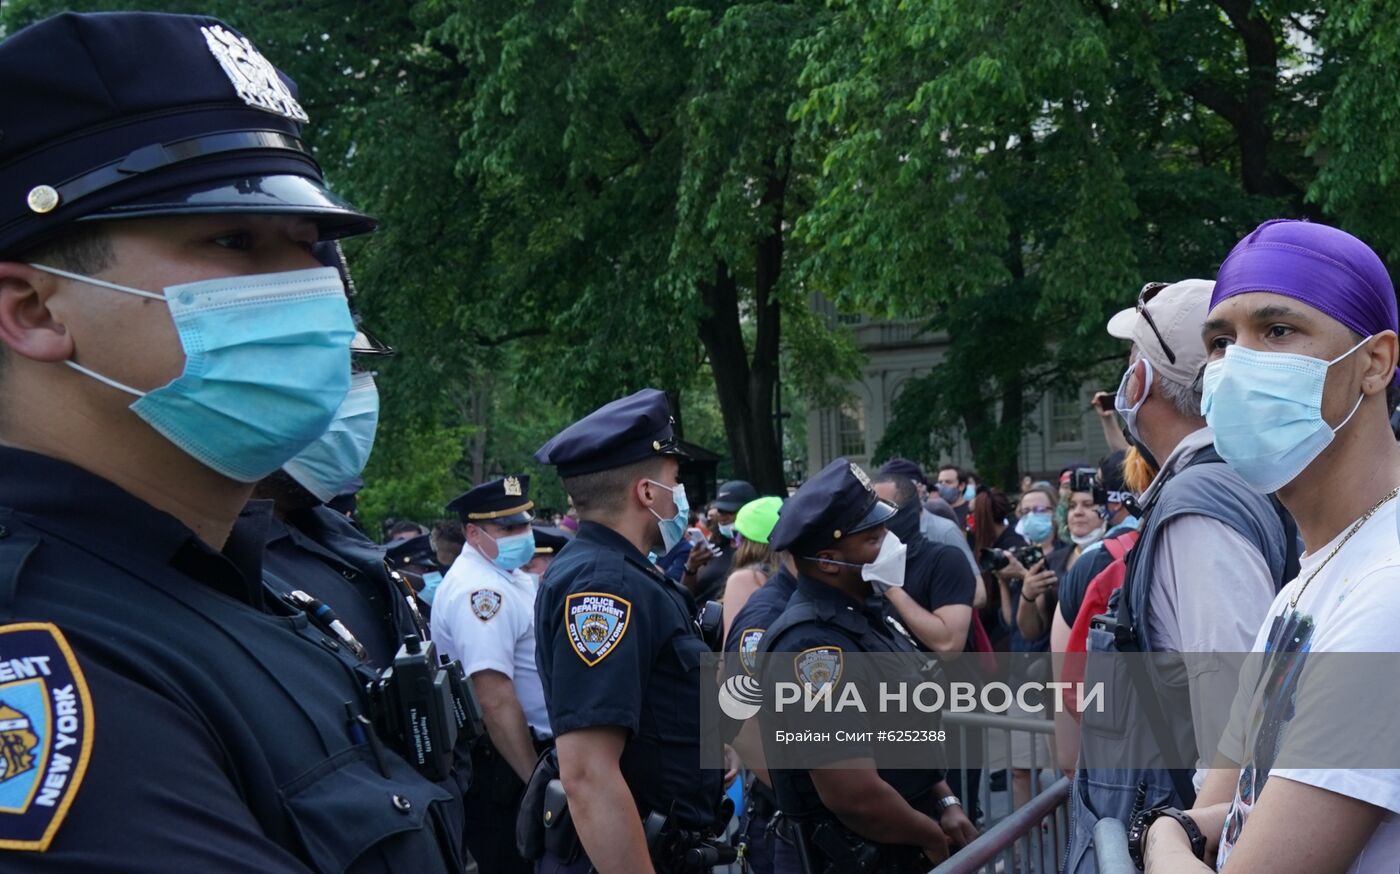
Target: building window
[
  {"x": 850, "y": 433},
  {"x": 1066, "y": 418}
]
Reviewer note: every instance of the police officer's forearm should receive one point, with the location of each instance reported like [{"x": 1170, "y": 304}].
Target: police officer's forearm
[
  {"x": 748, "y": 743},
  {"x": 505, "y": 721},
  {"x": 873, "y": 809},
  {"x": 604, "y": 816}
]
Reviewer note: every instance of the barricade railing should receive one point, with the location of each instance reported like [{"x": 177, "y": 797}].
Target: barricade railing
[
  {"x": 1020, "y": 832},
  {"x": 1111, "y": 848}
]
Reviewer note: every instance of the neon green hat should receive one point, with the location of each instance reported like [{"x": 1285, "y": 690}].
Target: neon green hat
[{"x": 755, "y": 520}]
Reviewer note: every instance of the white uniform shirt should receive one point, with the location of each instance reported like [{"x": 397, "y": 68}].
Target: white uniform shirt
[{"x": 485, "y": 617}]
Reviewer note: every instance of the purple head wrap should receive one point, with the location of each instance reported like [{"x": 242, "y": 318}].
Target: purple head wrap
[{"x": 1323, "y": 267}]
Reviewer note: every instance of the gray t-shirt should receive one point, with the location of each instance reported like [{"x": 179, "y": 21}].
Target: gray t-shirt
[{"x": 936, "y": 529}]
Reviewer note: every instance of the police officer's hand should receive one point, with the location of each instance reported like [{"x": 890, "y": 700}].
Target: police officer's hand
[
  {"x": 732, "y": 764},
  {"x": 957, "y": 827},
  {"x": 938, "y": 852},
  {"x": 700, "y": 556},
  {"x": 1038, "y": 581}
]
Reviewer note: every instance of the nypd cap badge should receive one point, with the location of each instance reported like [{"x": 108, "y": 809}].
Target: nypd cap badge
[
  {"x": 486, "y": 603},
  {"x": 252, "y": 75},
  {"x": 596, "y": 622},
  {"x": 46, "y": 732}
]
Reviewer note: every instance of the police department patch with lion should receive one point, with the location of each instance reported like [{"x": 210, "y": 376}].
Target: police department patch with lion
[
  {"x": 46, "y": 732},
  {"x": 595, "y": 622}
]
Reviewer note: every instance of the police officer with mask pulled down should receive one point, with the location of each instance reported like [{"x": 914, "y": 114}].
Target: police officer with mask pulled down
[
  {"x": 619, "y": 654},
  {"x": 843, "y": 813},
  {"x": 168, "y": 340}
]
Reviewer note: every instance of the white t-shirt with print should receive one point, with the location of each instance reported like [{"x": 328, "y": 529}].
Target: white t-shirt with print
[{"x": 1354, "y": 606}]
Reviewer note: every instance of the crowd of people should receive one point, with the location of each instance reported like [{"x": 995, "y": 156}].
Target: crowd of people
[{"x": 205, "y": 663}]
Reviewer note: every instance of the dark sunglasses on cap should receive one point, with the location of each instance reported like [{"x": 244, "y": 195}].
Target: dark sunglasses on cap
[{"x": 1149, "y": 291}]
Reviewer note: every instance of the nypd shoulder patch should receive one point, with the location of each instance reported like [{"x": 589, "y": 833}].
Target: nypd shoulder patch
[
  {"x": 595, "y": 622},
  {"x": 46, "y": 733},
  {"x": 486, "y": 603},
  {"x": 749, "y": 639},
  {"x": 819, "y": 665}
]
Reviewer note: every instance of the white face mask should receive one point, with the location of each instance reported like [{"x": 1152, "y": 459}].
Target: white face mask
[{"x": 887, "y": 570}]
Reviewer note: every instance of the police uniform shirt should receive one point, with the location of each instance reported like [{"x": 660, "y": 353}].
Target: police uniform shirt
[
  {"x": 321, "y": 553},
  {"x": 814, "y": 652},
  {"x": 160, "y": 714},
  {"x": 618, "y": 646},
  {"x": 752, "y": 621},
  {"x": 485, "y": 617}
]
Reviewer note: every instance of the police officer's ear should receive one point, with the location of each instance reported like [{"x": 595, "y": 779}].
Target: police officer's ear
[{"x": 29, "y": 327}]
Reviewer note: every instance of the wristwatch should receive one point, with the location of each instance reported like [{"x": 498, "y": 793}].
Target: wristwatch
[
  {"x": 1137, "y": 832},
  {"x": 948, "y": 801}
]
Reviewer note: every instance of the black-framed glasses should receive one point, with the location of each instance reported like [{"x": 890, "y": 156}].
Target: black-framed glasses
[{"x": 1149, "y": 291}]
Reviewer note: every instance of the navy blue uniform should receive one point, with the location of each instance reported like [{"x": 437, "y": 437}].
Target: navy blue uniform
[
  {"x": 617, "y": 645},
  {"x": 745, "y": 635},
  {"x": 321, "y": 553},
  {"x": 823, "y": 625},
  {"x": 198, "y": 723}
]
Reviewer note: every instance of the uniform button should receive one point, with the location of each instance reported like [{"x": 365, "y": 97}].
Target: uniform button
[
  {"x": 330, "y": 644},
  {"x": 401, "y": 804},
  {"x": 348, "y": 574}
]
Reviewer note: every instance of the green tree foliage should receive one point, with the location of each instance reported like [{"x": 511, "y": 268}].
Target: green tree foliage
[{"x": 583, "y": 197}]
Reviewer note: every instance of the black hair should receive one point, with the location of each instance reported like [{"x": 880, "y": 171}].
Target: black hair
[{"x": 605, "y": 492}]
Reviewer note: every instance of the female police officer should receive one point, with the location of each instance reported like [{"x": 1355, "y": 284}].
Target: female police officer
[{"x": 168, "y": 340}]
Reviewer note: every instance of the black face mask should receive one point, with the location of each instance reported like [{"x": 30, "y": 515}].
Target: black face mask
[{"x": 904, "y": 524}]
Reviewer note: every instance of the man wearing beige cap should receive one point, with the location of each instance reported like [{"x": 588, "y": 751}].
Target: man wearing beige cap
[{"x": 1211, "y": 554}]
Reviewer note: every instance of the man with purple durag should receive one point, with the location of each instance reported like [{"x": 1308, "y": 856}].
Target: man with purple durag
[{"x": 1302, "y": 348}]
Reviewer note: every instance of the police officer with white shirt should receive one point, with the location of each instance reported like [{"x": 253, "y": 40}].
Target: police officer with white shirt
[{"x": 483, "y": 615}]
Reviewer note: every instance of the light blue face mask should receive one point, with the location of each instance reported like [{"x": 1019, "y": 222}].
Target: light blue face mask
[
  {"x": 431, "y": 581},
  {"x": 267, "y": 364},
  {"x": 673, "y": 529},
  {"x": 1037, "y": 527},
  {"x": 1120, "y": 401},
  {"x": 514, "y": 551},
  {"x": 970, "y": 492},
  {"x": 1266, "y": 411},
  {"x": 340, "y": 454}
]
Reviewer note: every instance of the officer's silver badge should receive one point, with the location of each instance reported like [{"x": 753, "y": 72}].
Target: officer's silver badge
[
  {"x": 819, "y": 665},
  {"x": 595, "y": 622},
  {"x": 252, "y": 75},
  {"x": 512, "y": 486},
  {"x": 860, "y": 475},
  {"x": 486, "y": 603},
  {"x": 749, "y": 640}
]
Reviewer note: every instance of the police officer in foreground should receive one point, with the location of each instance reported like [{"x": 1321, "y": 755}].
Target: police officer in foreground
[
  {"x": 619, "y": 652},
  {"x": 168, "y": 340},
  {"x": 484, "y": 615},
  {"x": 844, "y": 813}
]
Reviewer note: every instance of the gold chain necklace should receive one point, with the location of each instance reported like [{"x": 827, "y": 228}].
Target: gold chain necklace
[{"x": 1293, "y": 602}]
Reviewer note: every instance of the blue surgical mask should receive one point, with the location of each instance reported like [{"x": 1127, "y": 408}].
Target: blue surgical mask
[
  {"x": 267, "y": 365},
  {"x": 727, "y": 530},
  {"x": 970, "y": 492},
  {"x": 514, "y": 551},
  {"x": 1036, "y": 527},
  {"x": 1266, "y": 411},
  {"x": 1120, "y": 401},
  {"x": 431, "y": 581},
  {"x": 949, "y": 493},
  {"x": 340, "y": 454},
  {"x": 673, "y": 529}
]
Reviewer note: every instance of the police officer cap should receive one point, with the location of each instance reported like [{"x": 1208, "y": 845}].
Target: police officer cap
[
  {"x": 733, "y": 495},
  {"x": 502, "y": 501},
  {"x": 836, "y": 503},
  {"x": 549, "y": 540},
  {"x": 132, "y": 114},
  {"x": 413, "y": 551},
  {"x": 619, "y": 433}
]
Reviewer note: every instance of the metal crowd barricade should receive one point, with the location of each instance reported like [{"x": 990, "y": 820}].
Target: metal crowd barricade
[
  {"x": 1111, "y": 848},
  {"x": 1020, "y": 832}
]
